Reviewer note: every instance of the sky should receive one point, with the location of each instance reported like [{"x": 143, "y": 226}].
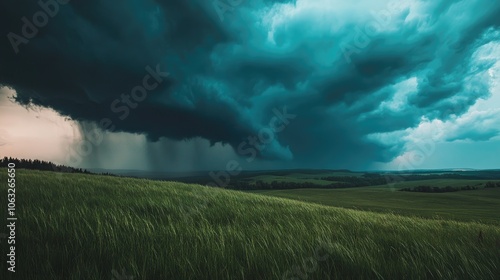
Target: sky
[{"x": 191, "y": 85}]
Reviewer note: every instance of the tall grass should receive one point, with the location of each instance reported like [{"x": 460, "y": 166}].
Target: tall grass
[{"x": 76, "y": 226}]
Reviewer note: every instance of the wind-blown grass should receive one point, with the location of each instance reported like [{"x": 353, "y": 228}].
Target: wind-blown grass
[{"x": 75, "y": 226}]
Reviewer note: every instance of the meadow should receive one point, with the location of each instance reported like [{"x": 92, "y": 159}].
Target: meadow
[
  {"x": 480, "y": 205},
  {"x": 78, "y": 226}
]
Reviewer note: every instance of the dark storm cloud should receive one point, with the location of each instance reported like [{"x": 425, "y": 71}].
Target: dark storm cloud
[
  {"x": 225, "y": 77},
  {"x": 90, "y": 53}
]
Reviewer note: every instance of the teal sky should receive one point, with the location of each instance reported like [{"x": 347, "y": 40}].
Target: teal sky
[{"x": 192, "y": 85}]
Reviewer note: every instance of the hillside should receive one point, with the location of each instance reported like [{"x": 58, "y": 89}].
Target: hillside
[
  {"x": 480, "y": 205},
  {"x": 78, "y": 226}
]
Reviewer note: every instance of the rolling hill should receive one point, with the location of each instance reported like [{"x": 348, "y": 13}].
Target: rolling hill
[{"x": 78, "y": 226}]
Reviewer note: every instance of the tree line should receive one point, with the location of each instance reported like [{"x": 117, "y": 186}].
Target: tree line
[
  {"x": 492, "y": 185},
  {"x": 35, "y": 164},
  {"x": 357, "y": 181},
  {"x": 276, "y": 185},
  {"x": 345, "y": 182},
  {"x": 429, "y": 189}
]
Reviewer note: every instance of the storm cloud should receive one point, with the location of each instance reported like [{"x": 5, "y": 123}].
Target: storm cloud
[{"x": 360, "y": 77}]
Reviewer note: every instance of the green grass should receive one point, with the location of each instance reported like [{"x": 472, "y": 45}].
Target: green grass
[
  {"x": 479, "y": 205},
  {"x": 77, "y": 226}
]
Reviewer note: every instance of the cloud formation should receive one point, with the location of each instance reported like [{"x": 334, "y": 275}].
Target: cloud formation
[{"x": 356, "y": 74}]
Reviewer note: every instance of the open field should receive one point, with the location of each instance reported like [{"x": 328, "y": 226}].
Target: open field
[
  {"x": 478, "y": 205},
  {"x": 75, "y": 226}
]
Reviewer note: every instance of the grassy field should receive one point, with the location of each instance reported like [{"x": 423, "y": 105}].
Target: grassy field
[
  {"x": 479, "y": 205},
  {"x": 77, "y": 226}
]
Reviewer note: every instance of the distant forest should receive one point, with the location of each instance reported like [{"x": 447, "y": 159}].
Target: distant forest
[
  {"x": 42, "y": 165},
  {"x": 429, "y": 189}
]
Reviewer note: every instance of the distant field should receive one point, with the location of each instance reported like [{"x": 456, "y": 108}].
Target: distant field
[
  {"x": 436, "y": 183},
  {"x": 481, "y": 205},
  {"x": 325, "y": 174},
  {"x": 288, "y": 179}
]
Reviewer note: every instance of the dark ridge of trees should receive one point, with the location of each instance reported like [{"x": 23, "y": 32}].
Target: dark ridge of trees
[
  {"x": 438, "y": 176},
  {"x": 378, "y": 179},
  {"x": 361, "y": 181},
  {"x": 489, "y": 185},
  {"x": 44, "y": 166},
  {"x": 351, "y": 183},
  {"x": 429, "y": 189},
  {"x": 275, "y": 185},
  {"x": 40, "y": 165}
]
